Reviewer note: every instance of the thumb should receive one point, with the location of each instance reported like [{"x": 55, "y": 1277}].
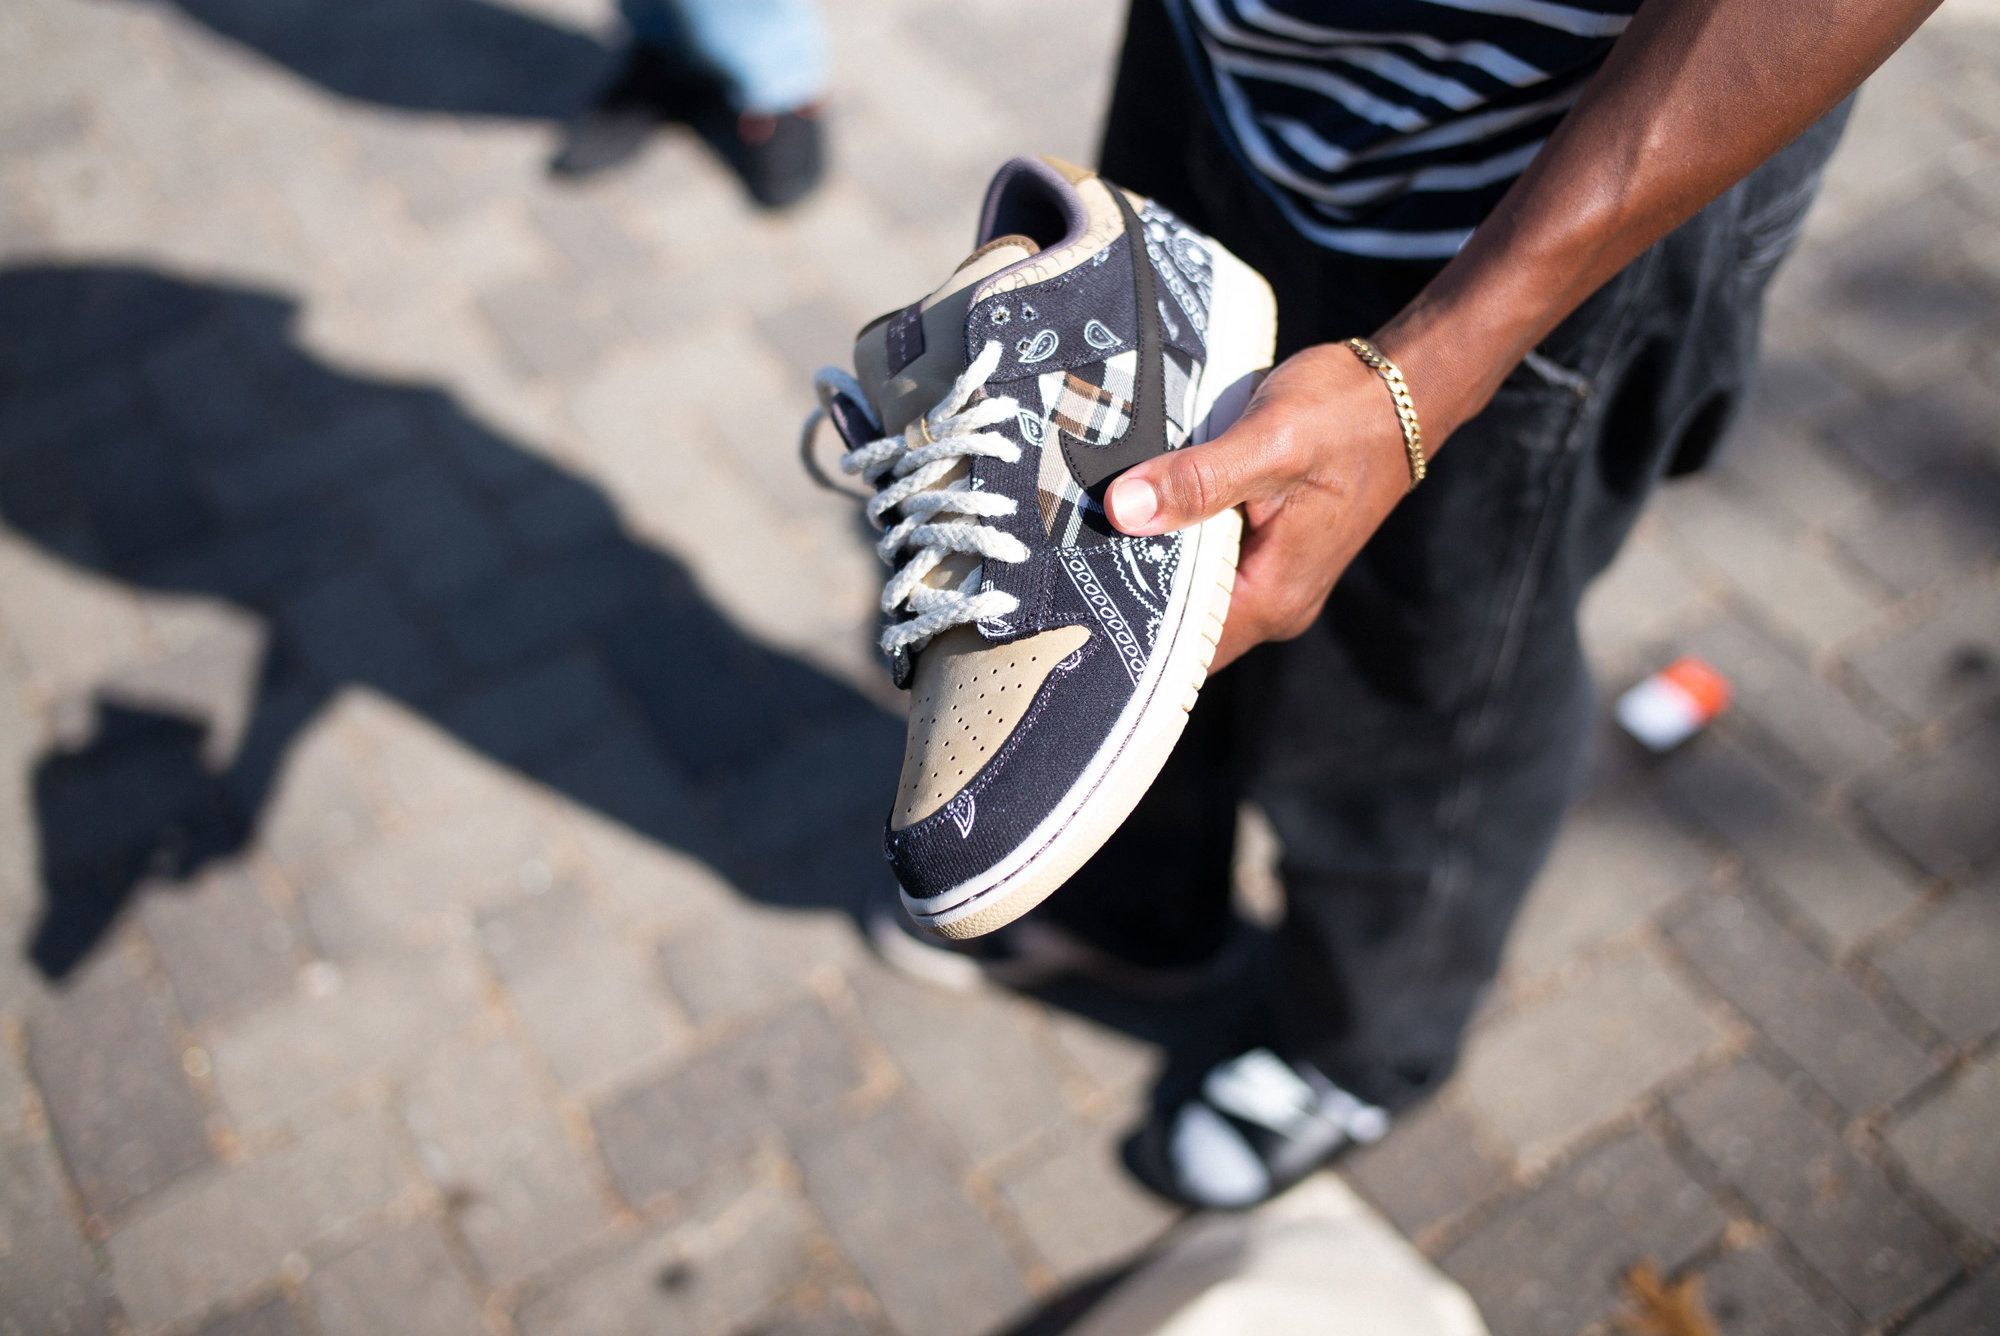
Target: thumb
[{"x": 1179, "y": 488}]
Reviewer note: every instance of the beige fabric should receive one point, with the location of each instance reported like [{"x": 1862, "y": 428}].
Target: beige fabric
[
  {"x": 918, "y": 387},
  {"x": 965, "y": 700}
]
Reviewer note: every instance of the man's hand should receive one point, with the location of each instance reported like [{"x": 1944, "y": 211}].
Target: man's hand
[
  {"x": 1316, "y": 461},
  {"x": 1694, "y": 94}
]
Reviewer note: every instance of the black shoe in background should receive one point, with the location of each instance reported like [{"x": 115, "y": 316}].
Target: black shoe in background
[
  {"x": 651, "y": 88},
  {"x": 780, "y": 158}
]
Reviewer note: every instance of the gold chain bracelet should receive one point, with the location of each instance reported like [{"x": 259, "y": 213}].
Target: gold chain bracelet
[{"x": 1406, "y": 408}]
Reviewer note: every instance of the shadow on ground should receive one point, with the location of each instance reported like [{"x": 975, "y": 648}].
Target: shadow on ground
[
  {"x": 174, "y": 437},
  {"x": 462, "y": 56}
]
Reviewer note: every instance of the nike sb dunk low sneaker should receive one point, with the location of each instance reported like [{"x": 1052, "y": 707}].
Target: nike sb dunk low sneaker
[{"x": 1051, "y": 660}]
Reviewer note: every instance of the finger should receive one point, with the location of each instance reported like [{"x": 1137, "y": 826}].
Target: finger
[{"x": 1186, "y": 486}]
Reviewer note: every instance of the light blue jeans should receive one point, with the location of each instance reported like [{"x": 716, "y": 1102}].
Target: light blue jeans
[{"x": 771, "y": 54}]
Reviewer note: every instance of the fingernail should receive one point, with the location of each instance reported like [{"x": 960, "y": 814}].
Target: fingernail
[{"x": 1133, "y": 503}]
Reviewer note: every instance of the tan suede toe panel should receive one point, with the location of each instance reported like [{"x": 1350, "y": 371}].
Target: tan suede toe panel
[{"x": 965, "y": 700}]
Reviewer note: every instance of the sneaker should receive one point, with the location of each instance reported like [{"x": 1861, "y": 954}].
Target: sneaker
[
  {"x": 652, "y": 86},
  {"x": 1050, "y": 660},
  {"x": 1256, "y": 1125},
  {"x": 779, "y": 158},
  {"x": 1037, "y": 953}
]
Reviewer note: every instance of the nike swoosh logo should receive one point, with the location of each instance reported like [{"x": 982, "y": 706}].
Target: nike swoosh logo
[{"x": 1146, "y": 434}]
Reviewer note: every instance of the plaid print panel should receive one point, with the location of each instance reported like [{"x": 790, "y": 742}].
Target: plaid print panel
[
  {"x": 1093, "y": 413},
  {"x": 1090, "y": 413}
]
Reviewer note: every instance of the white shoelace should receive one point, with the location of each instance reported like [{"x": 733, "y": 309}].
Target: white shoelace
[{"x": 931, "y": 519}]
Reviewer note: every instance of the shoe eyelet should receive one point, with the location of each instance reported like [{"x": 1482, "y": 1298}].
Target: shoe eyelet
[
  {"x": 999, "y": 315},
  {"x": 1028, "y": 312}
]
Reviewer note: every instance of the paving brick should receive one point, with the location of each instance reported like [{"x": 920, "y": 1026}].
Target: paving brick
[
  {"x": 1619, "y": 860},
  {"x": 222, "y": 945},
  {"x": 130, "y": 792},
  {"x": 1940, "y": 810},
  {"x": 713, "y": 1268},
  {"x": 350, "y": 629},
  {"x": 971, "y": 1056},
  {"x": 1973, "y": 1309},
  {"x": 740, "y": 961},
  {"x": 1595, "y": 1048},
  {"x": 209, "y": 1239},
  {"x": 1775, "y": 459},
  {"x": 586, "y": 998},
  {"x": 519, "y": 1189},
  {"x": 1940, "y": 526},
  {"x": 552, "y": 603},
  {"x": 1428, "y": 1171},
  {"x": 339, "y": 1026},
  {"x": 1808, "y": 598},
  {"x": 402, "y": 1280},
  {"x": 422, "y": 775},
  {"x": 547, "y": 326},
  {"x": 286, "y": 470},
  {"x": 591, "y": 239},
  {"x": 49, "y": 1282},
  {"x": 1844, "y": 889},
  {"x": 559, "y": 515},
  {"x": 1818, "y": 1017},
  {"x": 423, "y": 524},
  {"x": 538, "y": 711},
  {"x": 1648, "y": 592},
  {"x": 812, "y": 1313},
  {"x": 932, "y": 1260},
  {"x": 664, "y": 1136},
  {"x": 1944, "y": 967},
  {"x": 1080, "y": 1207},
  {"x": 647, "y": 886},
  {"x": 807, "y": 334},
  {"x": 627, "y": 781},
  {"x": 1949, "y": 1148},
  {"x": 1806, "y": 724},
  {"x": 407, "y": 885},
  {"x": 318, "y": 803},
  {"x": 1837, "y": 1210},
  {"x": 1752, "y": 1292},
  {"x": 111, "y": 1077},
  {"x": 1554, "y": 1260},
  {"x": 1948, "y": 661},
  {"x": 1903, "y": 436},
  {"x": 272, "y": 1317}
]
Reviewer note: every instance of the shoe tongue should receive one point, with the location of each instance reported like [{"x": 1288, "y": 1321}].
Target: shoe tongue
[{"x": 907, "y": 361}]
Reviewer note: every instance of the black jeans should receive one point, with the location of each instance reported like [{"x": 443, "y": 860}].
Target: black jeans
[{"x": 1417, "y": 747}]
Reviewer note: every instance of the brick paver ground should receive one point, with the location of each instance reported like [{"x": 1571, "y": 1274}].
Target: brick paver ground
[{"x": 440, "y": 751}]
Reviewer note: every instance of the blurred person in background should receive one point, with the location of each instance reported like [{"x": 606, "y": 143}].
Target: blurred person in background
[
  {"x": 750, "y": 75},
  {"x": 1556, "y": 221}
]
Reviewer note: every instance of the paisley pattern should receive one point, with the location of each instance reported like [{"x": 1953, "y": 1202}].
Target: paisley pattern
[
  {"x": 1185, "y": 267},
  {"x": 1040, "y": 348}
]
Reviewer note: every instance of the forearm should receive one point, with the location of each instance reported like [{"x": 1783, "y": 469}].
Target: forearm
[{"x": 1693, "y": 96}]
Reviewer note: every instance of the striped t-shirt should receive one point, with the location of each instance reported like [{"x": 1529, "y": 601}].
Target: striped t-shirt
[{"x": 1389, "y": 128}]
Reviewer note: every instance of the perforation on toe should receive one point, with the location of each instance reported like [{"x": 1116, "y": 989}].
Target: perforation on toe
[{"x": 965, "y": 700}]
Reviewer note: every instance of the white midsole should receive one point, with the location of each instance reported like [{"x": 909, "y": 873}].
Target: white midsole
[{"x": 1239, "y": 343}]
